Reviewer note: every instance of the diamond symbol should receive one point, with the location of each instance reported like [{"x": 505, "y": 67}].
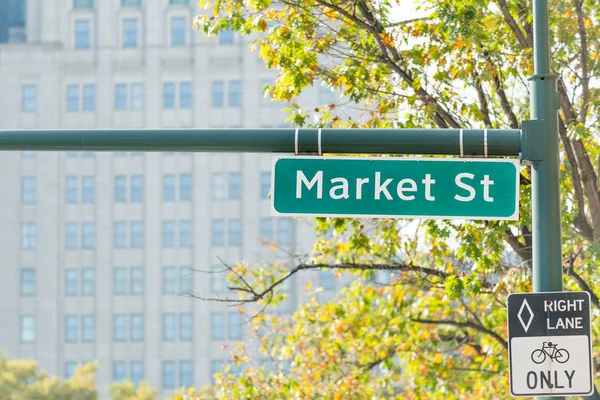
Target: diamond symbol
[{"x": 525, "y": 307}]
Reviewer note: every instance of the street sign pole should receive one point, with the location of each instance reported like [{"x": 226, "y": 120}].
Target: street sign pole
[{"x": 547, "y": 256}]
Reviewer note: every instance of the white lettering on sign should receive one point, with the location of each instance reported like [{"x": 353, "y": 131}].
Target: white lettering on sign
[
  {"x": 343, "y": 187},
  {"x": 302, "y": 179},
  {"x": 565, "y": 323},
  {"x": 464, "y": 186},
  {"x": 563, "y": 305},
  {"x": 379, "y": 188},
  {"x": 550, "y": 379},
  {"x": 339, "y": 188}
]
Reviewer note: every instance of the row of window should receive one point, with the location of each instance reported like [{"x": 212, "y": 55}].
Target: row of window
[
  {"x": 131, "y": 327},
  {"x": 124, "y": 3},
  {"x": 174, "y": 233},
  {"x": 126, "y": 281},
  {"x": 175, "y": 187},
  {"x": 131, "y": 281},
  {"x": 132, "y": 96},
  {"x": 174, "y": 373}
]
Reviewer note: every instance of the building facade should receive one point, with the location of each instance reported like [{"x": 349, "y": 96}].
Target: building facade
[{"x": 98, "y": 248}]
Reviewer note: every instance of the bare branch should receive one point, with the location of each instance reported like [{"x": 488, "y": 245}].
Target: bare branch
[
  {"x": 583, "y": 58},
  {"x": 465, "y": 324},
  {"x": 483, "y": 103},
  {"x": 508, "y": 18}
]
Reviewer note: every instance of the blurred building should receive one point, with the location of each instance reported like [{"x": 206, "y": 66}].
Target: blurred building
[{"x": 96, "y": 248}]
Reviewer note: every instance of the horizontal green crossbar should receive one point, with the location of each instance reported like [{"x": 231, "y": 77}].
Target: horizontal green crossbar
[{"x": 475, "y": 142}]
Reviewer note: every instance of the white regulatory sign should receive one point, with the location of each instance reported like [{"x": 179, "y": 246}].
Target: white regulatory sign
[{"x": 550, "y": 348}]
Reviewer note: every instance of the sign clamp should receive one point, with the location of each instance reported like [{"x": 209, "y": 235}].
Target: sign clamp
[
  {"x": 462, "y": 146},
  {"x": 319, "y": 144}
]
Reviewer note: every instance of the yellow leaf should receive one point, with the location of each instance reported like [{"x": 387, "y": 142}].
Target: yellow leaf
[
  {"x": 273, "y": 246},
  {"x": 308, "y": 285}
]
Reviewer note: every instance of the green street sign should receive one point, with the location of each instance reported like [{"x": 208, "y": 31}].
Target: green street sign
[{"x": 438, "y": 188}]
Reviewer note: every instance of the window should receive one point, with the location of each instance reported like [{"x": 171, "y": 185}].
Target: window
[
  {"x": 326, "y": 95},
  {"x": 120, "y": 284},
  {"x": 168, "y": 281},
  {"x": 28, "y": 282},
  {"x": 186, "y": 187},
  {"x": 72, "y": 186},
  {"x": 137, "y": 372},
  {"x": 137, "y": 280},
  {"x": 267, "y": 231},
  {"x": 235, "y": 93},
  {"x": 168, "y": 233},
  {"x": 218, "y": 232},
  {"x": 186, "y": 280},
  {"x": 28, "y": 328},
  {"x": 88, "y": 281},
  {"x": 168, "y": 374},
  {"x": 29, "y": 98},
  {"x": 120, "y": 189},
  {"x": 137, "y": 327},
  {"x": 218, "y": 185},
  {"x": 89, "y": 154},
  {"x": 186, "y": 373},
  {"x": 179, "y": 1},
  {"x": 226, "y": 36},
  {"x": 217, "y": 326},
  {"x": 235, "y": 232},
  {"x": 120, "y": 235},
  {"x": 119, "y": 371},
  {"x": 88, "y": 328},
  {"x": 185, "y": 95},
  {"x": 218, "y": 279},
  {"x": 137, "y": 188},
  {"x": 137, "y": 234},
  {"x": 265, "y": 184},
  {"x": 72, "y": 238},
  {"x": 83, "y": 3},
  {"x": 266, "y": 99},
  {"x": 89, "y": 97},
  {"x": 215, "y": 367},
  {"x": 169, "y": 187},
  {"x": 120, "y": 96},
  {"x": 72, "y": 154},
  {"x": 131, "y": 3},
  {"x": 285, "y": 232},
  {"x": 72, "y": 98},
  {"x": 186, "y": 233},
  {"x": 120, "y": 328},
  {"x": 71, "y": 328},
  {"x": 235, "y": 186},
  {"x": 89, "y": 189},
  {"x": 178, "y": 30},
  {"x": 70, "y": 367},
  {"x": 218, "y": 94},
  {"x": 28, "y": 235},
  {"x": 169, "y": 95},
  {"x": 186, "y": 326},
  {"x": 28, "y": 190},
  {"x": 82, "y": 34},
  {"x": 168, "y": 326},
  {"x": 137, "y": 99},
  {"x": 71, "y": 282},
  {"x": 29, "y": 154},
  {"x": 130, "y": 32},
  {"x": 235, "y": 326},
  {"x": 327, "y": 279},
  {"x": 89, "y": 235}
]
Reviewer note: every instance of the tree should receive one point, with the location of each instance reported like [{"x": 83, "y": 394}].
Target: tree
[{"x": 439, "y": 328}]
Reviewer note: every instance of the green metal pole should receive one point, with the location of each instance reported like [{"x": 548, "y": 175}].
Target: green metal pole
[
  {"x": 475, "y": 142},
  {"x": 547, "y": 255}
]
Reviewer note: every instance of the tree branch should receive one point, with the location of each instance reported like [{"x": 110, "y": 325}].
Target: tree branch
[
  {"x": 508, "y": 18},
  {"x": 465, "y": 324},
  {"x": 483, "y": 103},
  {"x": 583, "y": 285},
  {"x": 583, "y": 58}
]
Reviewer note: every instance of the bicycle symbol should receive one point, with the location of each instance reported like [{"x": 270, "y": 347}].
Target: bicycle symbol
[{"x": 551, "y": 350}]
